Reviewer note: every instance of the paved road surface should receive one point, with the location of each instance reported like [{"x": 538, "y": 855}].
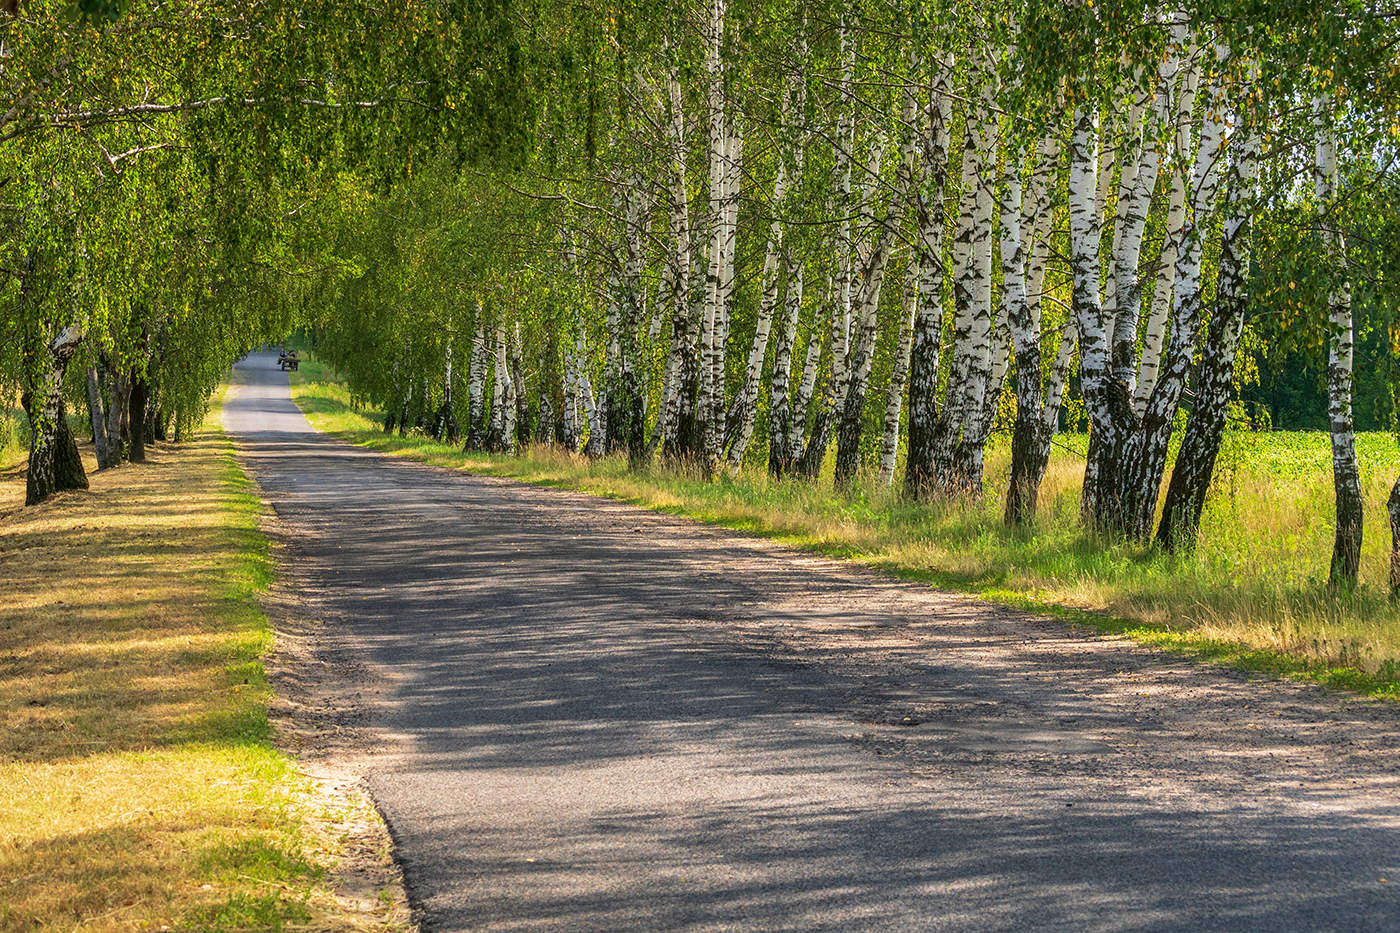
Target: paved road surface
[{"x": 594, "y": 717}]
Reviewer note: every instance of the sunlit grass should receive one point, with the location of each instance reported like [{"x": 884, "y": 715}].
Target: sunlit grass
[
  {"x": 141, "y": 787},
  {"x": 1253, "y": 594}
]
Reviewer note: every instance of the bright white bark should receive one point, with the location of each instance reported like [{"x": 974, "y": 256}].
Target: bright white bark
[
  {"x": 1154, "y": 333},
  {"x": 1346, "y": 551}
]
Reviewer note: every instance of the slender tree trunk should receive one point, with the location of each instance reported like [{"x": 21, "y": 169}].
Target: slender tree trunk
[
  {"x": 1195, "y": 461},
  {"x": 116, "y": 418},
  {"x": 98, "y": 419},
  {"x": 894, "y": 394},
  {"x": 140, "y": 394},
  {"x": 1346, "y": 478},
  {"x": 780, "y": 409},
  {"x": 833, "y": 395},
  {"x": 678, "y": 429},
  {"x": 802, "y": 399},
  {"x": 521, "y": 399},
  {"x": 1085, "y": 229},
  {"x": 790, "y": 164},
  {"x": 1030, "y": 422},
  {"x": 1393, "y": 506}
]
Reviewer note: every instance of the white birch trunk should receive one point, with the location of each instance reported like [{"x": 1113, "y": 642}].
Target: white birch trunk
[{"x": 1346, "y": 478}]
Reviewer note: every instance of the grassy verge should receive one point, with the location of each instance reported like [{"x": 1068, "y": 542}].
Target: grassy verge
[
  {"x": 1252, "y": 596},
  {"x": 142, "y": 789}
]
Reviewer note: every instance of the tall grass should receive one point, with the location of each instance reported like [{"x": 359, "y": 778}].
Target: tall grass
[{"x": 1254, "y": 591}]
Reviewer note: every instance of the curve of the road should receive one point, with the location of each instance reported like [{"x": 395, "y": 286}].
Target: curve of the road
[{"x": 595, "y": 717}]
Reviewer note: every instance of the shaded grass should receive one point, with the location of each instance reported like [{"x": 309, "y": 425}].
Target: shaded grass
[
  {"x": 142, "y": 790},
  {"x": 1252, "y": 596}
]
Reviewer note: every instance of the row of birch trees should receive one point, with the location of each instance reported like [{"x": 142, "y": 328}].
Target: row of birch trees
[{"x": 869, "y": 235}]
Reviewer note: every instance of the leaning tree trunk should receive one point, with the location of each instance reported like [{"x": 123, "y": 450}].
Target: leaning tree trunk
[
  {"x": 1195, "y": 462},
  {"x": 1346, "y": 478},
  {"x": 1155, "y": 334},
  {"x": 98, "y": 419},
  {"x": 54, "y": 462},
  {"x": 1144, "y": 457},
  {"x": 871, "y": 278}
]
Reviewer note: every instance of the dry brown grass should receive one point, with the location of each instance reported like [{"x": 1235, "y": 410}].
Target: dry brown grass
[{"x": 142, "y": 790}]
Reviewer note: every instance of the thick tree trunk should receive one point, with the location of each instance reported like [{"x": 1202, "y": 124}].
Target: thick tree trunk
[
  {"x": 476, "y": 386},
  {"x": 1035, "y": 424},
  {"x": 570, "y": 421},
  {"x": 54, "y": 462},
  {"x": 140, "y": 394},
  {"x": 926, "y": 338},
  {"x": 98, "y": 419},
  {"x": 1195, "y": 461}
]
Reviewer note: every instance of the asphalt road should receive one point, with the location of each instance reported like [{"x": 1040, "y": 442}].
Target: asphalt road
[{"x": 593, "y": 717}]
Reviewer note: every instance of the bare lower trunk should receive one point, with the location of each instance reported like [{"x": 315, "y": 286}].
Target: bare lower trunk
[
  {"x": 926, "y": 336},
  {"x": 116, "y": 419},
  {"x": 1393, "y": 506},
  {"x": 140, "y": 395},
  {"x": 98, "y": 419},
  {"x": 780, "y": 408},
  {"x": 54, "y": 462}
]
